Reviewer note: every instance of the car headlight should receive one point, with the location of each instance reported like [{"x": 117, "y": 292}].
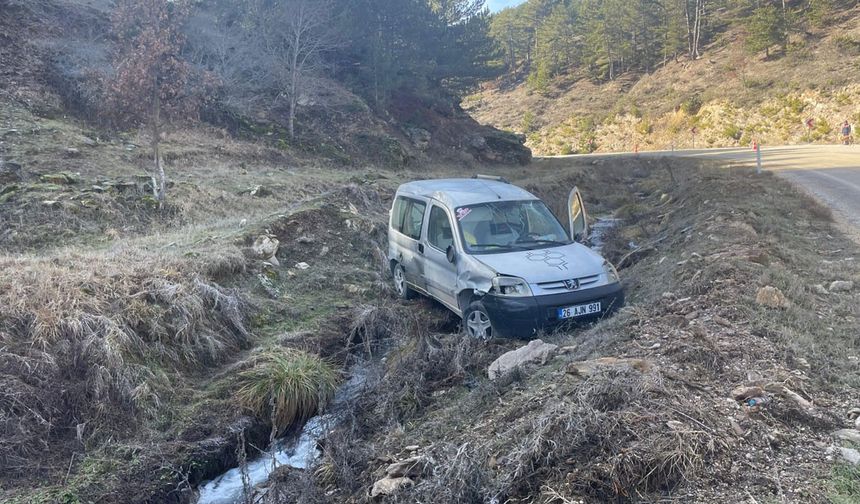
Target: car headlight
[
  {"x": 611, "y": 272},
  {"x": 511, "y": 286}
]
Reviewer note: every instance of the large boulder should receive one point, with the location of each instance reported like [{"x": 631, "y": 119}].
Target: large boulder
[{"x": 535, "y": 352}]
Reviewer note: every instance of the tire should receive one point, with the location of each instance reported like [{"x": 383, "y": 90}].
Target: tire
[
  {"x": 477, "y": 323},
  {"x": 400, "y": 287}
]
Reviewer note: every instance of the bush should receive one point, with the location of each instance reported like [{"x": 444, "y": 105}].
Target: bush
[
  {"x": 286, "y": 386},
  {"x": 692, "y": 105},
  {"x": 733, "y": 132},
  {"x": 529, "y": 123},
  {"x": 539, "y": 78}
]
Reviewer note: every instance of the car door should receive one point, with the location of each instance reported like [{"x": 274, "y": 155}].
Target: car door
[
  {"x": 407, "y": 224},
  {"x": 577, "y": 217},
  {"x": 440, "y": 275}
]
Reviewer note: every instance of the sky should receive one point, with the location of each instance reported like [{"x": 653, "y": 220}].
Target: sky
[{"x": 497, "y": 5}]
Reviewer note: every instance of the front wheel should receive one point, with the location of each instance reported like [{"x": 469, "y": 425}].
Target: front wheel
[
  {"x": 476, "y": 322},
  {"x": 400, "y": 286}
]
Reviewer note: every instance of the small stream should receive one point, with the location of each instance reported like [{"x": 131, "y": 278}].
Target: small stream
[
  {"x": 601, "y": 227},
  {"x": 299, "y": 452}
]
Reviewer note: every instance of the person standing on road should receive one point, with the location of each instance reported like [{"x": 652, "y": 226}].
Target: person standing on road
[{"x": 846, "y": 133}]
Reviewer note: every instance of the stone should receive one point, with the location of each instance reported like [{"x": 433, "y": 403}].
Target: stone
[
  {"x": 265, "y": 247},
  {"x": 419, "y": 137},
  {"x": 72, "y": 152},
  {"x": 9, "y": 172},
  {"x": 743, "y": 393},
  {"x": 842, "y": 286},
  {"x": 850, "y": 455},
  {"x": 411, "y": 467},
  {"x": 89, "y": 142},
  {"x": 389, "y": 486},
  {"x": 260, "y": 192},
  {"x": 590, "y": 367},
  {"x": 61, "y": 178},
  {"x": 535, "y": 351},
  {"x": 771, "y": 297},
  {"x": 820, "y": 290},
  {"x": 303, "y": 265},
  {"x": 854, "y": 413},
  {"x": 852, "y": 435}
]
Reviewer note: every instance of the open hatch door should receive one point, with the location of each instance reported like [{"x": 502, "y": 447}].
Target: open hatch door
[{"x": 577, "y": 217}]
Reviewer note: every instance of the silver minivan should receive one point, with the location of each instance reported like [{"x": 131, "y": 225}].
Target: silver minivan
[{"x": 496, "y": 256}]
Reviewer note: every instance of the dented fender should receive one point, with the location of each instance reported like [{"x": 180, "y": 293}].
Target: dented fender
[{"x": 473, "y": 277}]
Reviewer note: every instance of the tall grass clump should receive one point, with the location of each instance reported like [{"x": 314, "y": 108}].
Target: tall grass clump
[{"x": 286, "y": 386}]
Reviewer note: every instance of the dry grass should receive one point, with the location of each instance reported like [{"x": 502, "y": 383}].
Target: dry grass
[
  {"x": 286, "y": 387},
  {"x": 87, "y": 340}
]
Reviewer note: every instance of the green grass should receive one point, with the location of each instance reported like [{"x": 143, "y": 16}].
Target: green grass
[
  {"x": 845, "y": 484},
  {"x": 286, "y": 386}
]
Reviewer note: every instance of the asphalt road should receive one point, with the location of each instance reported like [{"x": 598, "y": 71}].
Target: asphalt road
[{"x": 830, "y": 173}]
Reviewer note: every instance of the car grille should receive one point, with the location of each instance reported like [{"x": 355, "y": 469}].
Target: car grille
[{"x": 559, "y": 285}]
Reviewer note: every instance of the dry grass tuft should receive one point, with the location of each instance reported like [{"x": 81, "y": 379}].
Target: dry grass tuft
[
  {"x": 87, "y": 340},
  {"x": 619, "y": 436},
  {"x": 286, "y": 386}
]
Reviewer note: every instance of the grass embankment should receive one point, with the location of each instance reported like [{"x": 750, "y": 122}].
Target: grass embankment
[{"x": 665, "y": 425}]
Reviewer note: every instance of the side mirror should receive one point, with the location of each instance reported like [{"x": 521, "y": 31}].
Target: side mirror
[{"x": 451, "y": 254}]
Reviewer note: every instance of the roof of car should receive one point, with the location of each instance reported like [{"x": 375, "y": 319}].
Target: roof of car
[{"x": 461, "y": 192}]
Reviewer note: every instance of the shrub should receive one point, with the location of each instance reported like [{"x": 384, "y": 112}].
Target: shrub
[
  {"x": 692, "y": 105},
  {"x": 733, "y": 132},
  {"x": 644, "y": 127},
  {"x": 286, "y": 386},
  {"x": 529, "y": 123},
  {"x": 539, "y": 78}
]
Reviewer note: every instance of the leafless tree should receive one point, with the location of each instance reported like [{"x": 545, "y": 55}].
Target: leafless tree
[{"x": 294, "y": 36}]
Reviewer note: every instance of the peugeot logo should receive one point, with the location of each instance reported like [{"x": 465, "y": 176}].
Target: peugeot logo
[{"x": 571, "y": 284}]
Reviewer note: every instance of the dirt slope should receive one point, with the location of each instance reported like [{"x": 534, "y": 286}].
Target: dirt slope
[{"x": 729, "y": 96}]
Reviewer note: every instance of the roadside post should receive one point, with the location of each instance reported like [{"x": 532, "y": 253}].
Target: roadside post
[{"x": 758, "y": 158}]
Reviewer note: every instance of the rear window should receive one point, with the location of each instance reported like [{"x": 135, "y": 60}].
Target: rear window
[{"x": 407, "y": 217}]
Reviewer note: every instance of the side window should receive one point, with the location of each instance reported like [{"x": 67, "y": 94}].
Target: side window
[
  {"x": 413, "y": 218},
  {"x": 398, "y": 212},
  {"x": 439, "y": 233}
]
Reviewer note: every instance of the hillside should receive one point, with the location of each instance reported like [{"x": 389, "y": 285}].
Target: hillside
[
  {"x": 169, "y": 351},
  {"x": 729, "y": 95}
]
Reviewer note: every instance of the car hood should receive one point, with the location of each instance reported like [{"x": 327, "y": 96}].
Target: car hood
[{"x": 546, "y": 265}]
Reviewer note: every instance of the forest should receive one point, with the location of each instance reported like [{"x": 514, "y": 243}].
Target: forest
[{"x": 606, "y": 38}]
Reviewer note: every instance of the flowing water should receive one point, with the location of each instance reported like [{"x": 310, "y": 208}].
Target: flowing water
[
  {"x": 299, "y": 452},
  {"x": 601, "y": 227}
]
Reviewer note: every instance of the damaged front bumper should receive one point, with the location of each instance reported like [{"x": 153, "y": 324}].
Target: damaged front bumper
[{"x": 523, "y": 317}]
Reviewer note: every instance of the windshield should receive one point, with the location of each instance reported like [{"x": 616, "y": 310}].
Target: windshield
[{"x": 509, "y": 225}]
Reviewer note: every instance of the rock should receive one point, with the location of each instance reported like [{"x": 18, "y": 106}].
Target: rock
[
  {"x": 854, "y": 413},
  {"x": 743, "y": 393},
  {"x": 72, "y": 152},
  {"x": 567, "y": 350},
  {"x": 10, "y": 173},
  {"x": 260, "y": 192},
  {"x": 850, "y": 455},
  {"x": 411, "y": 467},
  {"x": 535, "y": 351},
  {"x": 303, "y": 265},
  {"x": 842, "y": 286},
  {"x": 819, "y": 289},
  {"x": 62, "y": 178},
  {"x": 771, "y": 297},
  {"x": 389, "y": 486},
  {"x": 265, "y": 247},
  {"x": 736, "y": 427},
  {"x": 51, "y": 203},
  {"x": 412, "y": 448},
  {"x": 590, "y": 367},
  {"x": 419, "y": 137},
  {"x": 89, "y": 142},
  {"x": 851, "y": 435}
]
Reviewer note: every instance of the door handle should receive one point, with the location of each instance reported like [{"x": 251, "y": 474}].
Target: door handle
[{"x": 420, "y": 248}]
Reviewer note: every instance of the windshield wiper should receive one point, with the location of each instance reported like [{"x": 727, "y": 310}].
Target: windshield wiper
[
  {"x": 497, "y": 245},
  {"x": 544, "y": 242}
]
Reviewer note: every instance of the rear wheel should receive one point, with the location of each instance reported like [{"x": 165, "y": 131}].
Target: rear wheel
[
  {"x": 400, "y": 286},
  {"x": 476, "y": 322}
]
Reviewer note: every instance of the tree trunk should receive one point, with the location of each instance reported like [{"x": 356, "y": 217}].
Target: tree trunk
[{"x": 159, "y": 188}]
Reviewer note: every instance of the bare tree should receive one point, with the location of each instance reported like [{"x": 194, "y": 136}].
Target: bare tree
[{"x": 295, "y": 35}]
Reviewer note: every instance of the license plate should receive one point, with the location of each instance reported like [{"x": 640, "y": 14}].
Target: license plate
[{"x": 578, "y": 310}]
